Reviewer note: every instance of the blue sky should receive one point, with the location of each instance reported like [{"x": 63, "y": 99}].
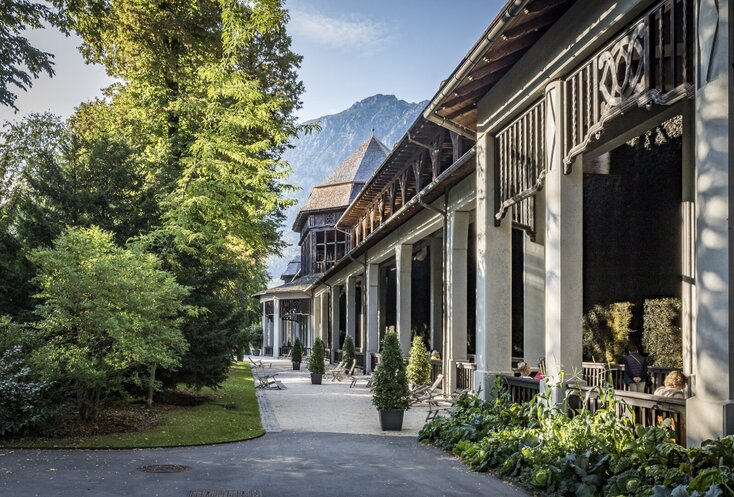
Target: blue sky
[{"x": 352, "y": 49}]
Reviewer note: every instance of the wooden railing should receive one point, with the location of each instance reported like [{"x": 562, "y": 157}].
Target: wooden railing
[
  {"x": 597, "y": 374},
  {"x": 645, "y": 409},
  {"x": 268, "y": 351},
  {"x": 521, "y": 390},
  {"x": 465, "y": 375},
  {"x": 360, "y": 359}
]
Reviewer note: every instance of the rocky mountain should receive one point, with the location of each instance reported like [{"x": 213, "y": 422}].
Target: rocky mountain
[{"x": 315, "y": 154}]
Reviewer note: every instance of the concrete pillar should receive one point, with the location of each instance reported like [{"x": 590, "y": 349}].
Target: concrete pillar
[
  {"x": 335, "y": 323},
  {"x": 316, "y": 313},
  {"x": 277, "y": 322},
  {"x": 404, "y": 268},
  {"x": 533, "y": 310},
  {"x": 436, "y": 250},
  {"x": 351, "y": 289},
  {"x": 563, "y": 249},
  {"x": 457, "y": 233},
  {"x": 710, "y": 412},
  {"x": 324, "y": 324},
  {"x": 371, "y": 345},
  {"x": 494, "y": 273}
]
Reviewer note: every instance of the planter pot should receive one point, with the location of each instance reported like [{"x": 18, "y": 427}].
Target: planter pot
[
  {"x": 316, "y": 378},
  {"x": 296, "y": 366},
  {"x": 391, "y": 420},
  {"x": 256, "y": 352}
]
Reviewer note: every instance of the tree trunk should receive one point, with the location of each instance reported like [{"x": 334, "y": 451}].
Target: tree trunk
[{"x": 151, "y": 385}]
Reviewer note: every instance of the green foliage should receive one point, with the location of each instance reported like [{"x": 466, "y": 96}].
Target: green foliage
[
  {"x": 662, "y": 338},
  {"x": 584, "y": 454},
  {"x": 106, "y": 312},
  {"x": 389, "y": 382},
  {"x": 316, "y": 361},
  {"x": 28, "y": 402},
  {"x": 297, "y": 352},
  {"x": 348, "y": 353},
  {"x": 419, "y": 366},
  {"x": 21, "y": 62},
  {"x": 606, "y": 331}
]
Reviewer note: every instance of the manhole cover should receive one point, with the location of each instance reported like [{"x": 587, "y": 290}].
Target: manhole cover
[{"x": 164, "y": 468}]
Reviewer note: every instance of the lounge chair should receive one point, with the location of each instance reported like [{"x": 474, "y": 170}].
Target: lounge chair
[
  {"x": 259, "y": 363},
  {"x": 424, "y": 393},
  {"x": 338, "y": 374},
  {"x": 266, "y": 381},
  {"x": 361, "y": 377}
]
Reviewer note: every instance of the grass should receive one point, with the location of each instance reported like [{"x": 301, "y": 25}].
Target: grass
[{"x": 207, "y": 423}]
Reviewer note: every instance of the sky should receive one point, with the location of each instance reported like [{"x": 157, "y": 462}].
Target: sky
[{"x": 351, "y": 50}]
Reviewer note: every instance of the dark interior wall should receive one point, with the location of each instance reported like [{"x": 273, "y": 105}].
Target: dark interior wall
[
  {"x": 632, "y": 227},
  {"x": 391, "y": 285},
  {"x": 518, "y": 292},
  {"x": 420, "y": 298}
]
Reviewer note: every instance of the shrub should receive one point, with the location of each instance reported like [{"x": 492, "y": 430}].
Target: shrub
[
  {"x": 316, "y": 361},
  {"x": 606, "y": 331},
  {"x": 419, "y": 367},
  {"x": 348, "y": 351},
  {"x": 297, "y": 353},
  {"x": 107, "y": 311},
  {"x": 389, "y": 382},
  {"x": 662, "y": 338}
]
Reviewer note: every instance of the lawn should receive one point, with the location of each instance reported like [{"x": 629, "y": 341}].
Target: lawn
[{"x": 204, "y": 424}]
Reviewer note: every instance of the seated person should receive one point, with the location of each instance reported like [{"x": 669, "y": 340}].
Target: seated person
[
  {"x": 674, "y": 386},
  {"x": 524, "y": 369}
]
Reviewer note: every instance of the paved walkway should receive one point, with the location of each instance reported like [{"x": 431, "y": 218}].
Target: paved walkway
[
  {"x": 330, "y": 445},
  {"x": 330, "y": 407}
]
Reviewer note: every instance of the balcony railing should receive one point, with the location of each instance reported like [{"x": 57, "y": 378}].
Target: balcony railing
[
  {"x": 598, "y": 374},
  {"x": 465, "y": 375}
]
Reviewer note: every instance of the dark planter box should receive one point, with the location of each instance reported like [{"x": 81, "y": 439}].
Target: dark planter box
[
  {"x": 296, "y": 366},
  {"x": 316, "y": 378},
  {"x": 256, "y": 352},
  {"x": 391, "y": 420}
]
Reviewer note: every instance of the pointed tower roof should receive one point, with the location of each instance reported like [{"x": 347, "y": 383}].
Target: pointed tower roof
[{"x": 343, "y": 184}]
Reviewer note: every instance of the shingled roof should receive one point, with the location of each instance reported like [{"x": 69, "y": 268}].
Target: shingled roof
[{"x": 343, "y": 184}]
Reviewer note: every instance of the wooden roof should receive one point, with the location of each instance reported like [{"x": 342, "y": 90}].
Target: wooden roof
[
  {"x": 518, "y": 26},
  {"x": 405, "y": 151}
]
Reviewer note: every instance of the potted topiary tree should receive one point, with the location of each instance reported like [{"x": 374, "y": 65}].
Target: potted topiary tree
[
  {"x": 419, "y": 366},
  {"x": 348, "y": 351},
  {"x": 297, "y": 355},
  {"x": 390, "y": 393},
  {"x": 316, "y": 362}
]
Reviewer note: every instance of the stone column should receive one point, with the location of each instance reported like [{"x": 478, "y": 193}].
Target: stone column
[
  {"x": 351, "y": 289},
  {"x": 372, "y": 277},
  {"x": 324, "y": 325},
  {"x": 494, "y": 273},
  {"x": 710, "y": 412},
  {"x": 533, "y": 310},
  {"x": 563, "y": 249},
  {"x": 437, "y": 284},
  {"x": 457, "y": 234},
  {"x": 277, "y": 322},
  {"x": 404, "y": 268},
  {"x": 316, "y": 313},
  {"x": 335, "y": 323}
]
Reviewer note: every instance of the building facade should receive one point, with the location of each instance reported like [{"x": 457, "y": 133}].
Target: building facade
[{"x": 578, "y": 154}]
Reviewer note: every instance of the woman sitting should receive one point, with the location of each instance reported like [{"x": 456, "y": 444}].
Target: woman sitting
[{"x": 674, "y": 386}]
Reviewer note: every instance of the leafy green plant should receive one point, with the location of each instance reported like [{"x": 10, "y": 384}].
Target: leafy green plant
[
  {"x": 574, "y": 452},
  {"x": 297, "y": 353},
  {"x": 662, "y": 337},
  {"x": 606, "y": 331},
  {"x": 348, "y": 351},
  {"x": 389, "y": 382},
  {"x": 316, "y": 361},
  {"x": 419, "y": 366}
]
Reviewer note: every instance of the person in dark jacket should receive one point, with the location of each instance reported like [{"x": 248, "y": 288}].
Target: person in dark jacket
[{"x": 635, "y": 370}]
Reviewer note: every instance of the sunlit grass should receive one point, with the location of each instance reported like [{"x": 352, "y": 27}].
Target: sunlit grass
[{"x": 204, "y": 424}]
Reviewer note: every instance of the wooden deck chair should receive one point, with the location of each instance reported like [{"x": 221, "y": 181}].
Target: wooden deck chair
[
  {"x": 338, "y": 369},
  {"x": 266, "y": 381},
  {"x": 424, "y": 393},
  {"x": 338, "y": 375},
  {"x": 361, "y": 377},
  {"x": 259, "y": 363}
]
